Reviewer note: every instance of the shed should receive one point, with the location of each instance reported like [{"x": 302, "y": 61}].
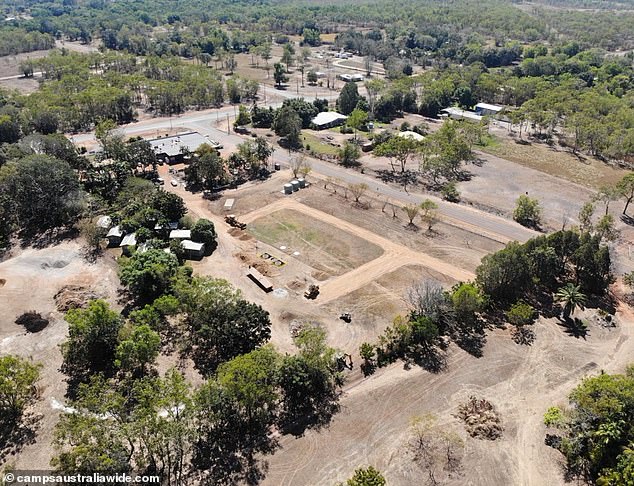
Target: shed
[
  {"x": 193, "y": 250},
  {"x": 229, "y": 204},
  {"x": 114, "y": 236},
  {"x": 485, "y": 109},
  {"x": 127, "y": 242},
  {"x": 328, "y": 119},
  {"x": 458, "y": 114},
  {"x": 260, "y": 279},
  {"x": 170, "y": 149},
  {"x": 180, "y": 234}
]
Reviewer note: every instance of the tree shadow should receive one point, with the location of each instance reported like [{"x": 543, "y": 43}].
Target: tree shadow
[
  {"x": 471, "y": 339},
  {"x": 316, "y": 417},
  {"x": 628, "y": 220},
  {"x": 430, "y": 358},
  {"x": 523, "y": 335},
  {"x": 574, "y": 327},
  {"x": 47, "y": 239},
  {"x": 17, "y": 433},
  {"x": 407, "y": 178}
]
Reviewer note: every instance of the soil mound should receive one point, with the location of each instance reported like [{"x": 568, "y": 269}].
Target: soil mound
[{"x": 73, "y": 297}]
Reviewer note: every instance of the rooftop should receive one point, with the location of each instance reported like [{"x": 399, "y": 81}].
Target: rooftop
[
  {"x": 327, "y": 117},
  {"x": 192, "y": 245},
  {"x": 487, "y": 106},
  {"x": 410, "y": 134},
  {"x": 180, "y": 234},
  {"x": 452, "y": 111},
  {"x": 129, "y": 240},
  {"x": 172, "y": 146}
]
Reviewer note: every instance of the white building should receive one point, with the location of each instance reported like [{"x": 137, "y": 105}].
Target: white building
[
  {"x": 458, "y": 114},
  {"x": 328, "y": 119},
  {"x": 485, "y": 109}
]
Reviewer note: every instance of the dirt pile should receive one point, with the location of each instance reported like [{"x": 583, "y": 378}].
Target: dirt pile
[
  {"x": 73, "y": 297},
  {"x": 2, "y": 282},
  {"x": 255, "y": 262},
  {"x": 481, "y": 419}
]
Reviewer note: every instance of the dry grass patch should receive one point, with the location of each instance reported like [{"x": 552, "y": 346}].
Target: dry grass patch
[{"x": 557, "y": 162}]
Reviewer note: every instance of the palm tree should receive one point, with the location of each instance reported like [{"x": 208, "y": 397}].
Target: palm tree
[{"x": 571, "y": 297}]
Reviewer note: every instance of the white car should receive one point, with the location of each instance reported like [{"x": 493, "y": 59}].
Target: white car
[{"x": 173, "y": 183}]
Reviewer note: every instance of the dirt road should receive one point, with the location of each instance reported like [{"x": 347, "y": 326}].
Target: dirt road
[{"x": 394, "y": 256}]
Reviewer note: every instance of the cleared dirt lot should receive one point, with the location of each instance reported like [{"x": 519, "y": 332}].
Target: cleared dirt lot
[{"x": 32, "y": 278}]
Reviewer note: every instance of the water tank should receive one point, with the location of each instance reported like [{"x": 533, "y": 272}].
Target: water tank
[
  {"x": 295, "y": 185},
  {"x": 277, "y": 166},
  {"x": 302, "y": 182},
  {"x": 288, "y": 189}
]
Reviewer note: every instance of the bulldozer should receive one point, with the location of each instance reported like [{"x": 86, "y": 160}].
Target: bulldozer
[
  {"x": 312, "y": 292},
  {"x": 232, "y": 221}
]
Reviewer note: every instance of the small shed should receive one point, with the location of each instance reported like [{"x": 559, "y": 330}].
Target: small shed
[
  {"x": 260, "y": 279},
  {"x": 180, "y": 234},
  {"x": 193, "y": 250},
  {"x": 328, "y": 119},
  {"x": 229, "y": 204},
  {"x": 127, "y": 242},
  {"x": 114, "y": 236}
]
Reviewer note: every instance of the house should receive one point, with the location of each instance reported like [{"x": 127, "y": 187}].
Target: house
[
  {"x": 180, "y": 234},
  {"x": 485, "y": 109},
  {"x": 328, "y": 119},
  {"x": 127, "y": 242},
  {"x": 193, "y": 250},
  {"x": 350, "y": 77},
  {"x": 114, "y": 236},
  {"x": 458, "y": 114},
  {"x": 170, "y": 149},
  {"x": 410, "y": 134},
  {"x": 321, "y": 74}
]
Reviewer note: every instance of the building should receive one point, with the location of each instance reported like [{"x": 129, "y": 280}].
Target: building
[
  {"x": 170, "y": 149},
  {"x": 458, "y": 114},
  {"x": 114, "y": 236},
  {"x": 410, "y": 134},
  {"x": 355, "y": 78},
  {"x": 127, "y": 243},
  {"x": 180, "y": 234},
  {"x": 193, "y": 250},
  {"x": 328, "y": 119},
  {"x": 485, "y": 109},
  {"x": 261, "y": 281},
  {"x": 104, "y": 222}
]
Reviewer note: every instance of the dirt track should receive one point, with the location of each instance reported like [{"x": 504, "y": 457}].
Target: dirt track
[{"x": 394, "y": 256}]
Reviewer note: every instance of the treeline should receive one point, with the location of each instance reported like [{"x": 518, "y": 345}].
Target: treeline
[
  {"x": 79, "y": 90},
  {"x": 15, "y": 41}
]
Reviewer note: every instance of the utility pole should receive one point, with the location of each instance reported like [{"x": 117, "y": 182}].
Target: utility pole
[{"x": 228, "y": 129}]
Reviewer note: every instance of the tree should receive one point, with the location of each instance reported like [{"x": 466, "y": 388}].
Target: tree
[
  {"x": 585, "y": 217},
  {"x": 93, "y": 336},
  {"x": 42, "y": 193},
  {"x": 467, "y": 301},
  {"x": 521, "y": 314},
  {"x": 400, "y": 149},
  {"x": 288, "y": 124},
  {"x": 244, "y": 118},
  {"x": 288, "y": 53},
  {"x": 571, "y": 297},
  {"x": 348, "y": 98},
  {"x": 607, "y": 194},
  {"x": 605, "y": 228},
  {"x": 148, "y": 275},
  {"x": 356, "y": 120},
  {"x": 279, "y": 75},
  {"x": 527, "y": 211},
  {"x": 450, "y": 192},
  {"x": 207, "y": 169},
  {"x": 306, "y": 110},
  {"x": 17, "y": 388},
  {"x": 204, "y": 231},
  {"x": 349, "y": 154},
  {"x": 312, "y": 77},
  {"x": 429, "y": 213},
  {"x": 358, "y": 190},
  {"x": 137, "y": 349},
  {"x": 504, "y": 275},
  {"x": 171, "y": 206},
  {"x": 309, "y": 382},
  {"x": 593, "y": 434},
  {"x": 222, "y": 325},
  {"x": 366, "y": 477},
  {"x": 626, "y": 188},
  {"x": 234, "y": 417},
  {"x": 93, "y": 234},
  {"x": 311, "y": 37},
  {"x": 412, "y": 211}
]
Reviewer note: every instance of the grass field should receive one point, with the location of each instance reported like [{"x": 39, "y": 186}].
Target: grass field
[
  {"x": 321, "y": 246},
  {"x": 317, "y": 146}
]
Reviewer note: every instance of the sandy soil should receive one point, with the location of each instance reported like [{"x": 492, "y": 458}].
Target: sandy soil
[{"x": 33, "y": 277}]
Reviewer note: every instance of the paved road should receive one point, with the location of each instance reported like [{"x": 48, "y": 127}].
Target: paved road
[{"x": 474, "y": 220}]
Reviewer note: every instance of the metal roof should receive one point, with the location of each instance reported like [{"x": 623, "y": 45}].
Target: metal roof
[
  {"x": 129, "y": 240},
  {"x": 171, "y": 146},
  {"x": 192, "y": 245},
  {"x": 451, "y": 111},
  {"x": 327, "y": 117},
  {"x": 487, "y": 106},
  {"x": 180, "y": 234},
  {"x": 410, "y": 134},
  {"x": 115, "y": 231}
]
